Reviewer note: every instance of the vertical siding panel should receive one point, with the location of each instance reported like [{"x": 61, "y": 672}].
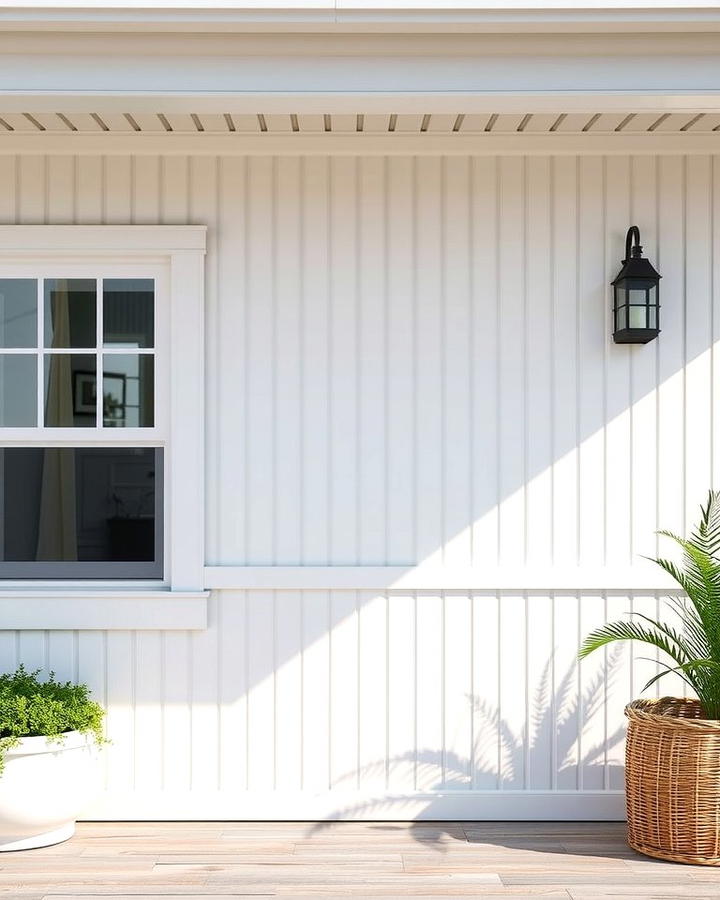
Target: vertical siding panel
[
  {"x": 32, "y": 199},
  {"x": 118, "y": 174},
  {"x": 121, "y": 645},
  {"x": 401, "y": 692},
  {"x": 175, "y": 194},
  {"x": 315, "y": 410},
  {"x": 32, "y": 650},
  {"x": 670, "y": 348},
  {"x": 539, "y": 739},
  {"x": 513, "y": 691},
  {"x": 88, "y": 187},
  {"x": 698, "y": 334},
  {"x": 120, "y": 668},
  {"x": 430, "y": 691},
  {"x": 205, "y": 667},
  {"x": 565, "y": 398},
  {"x": 288, "y": 691},
  {"x": 230, "y": 363},
  {"x": 372, "y": 363},
  {"x": 511, "y": 349},
  {"x": 343, "y": 690},
  {"x": 617, "y": 414},
  {"x": 148, "y": 763},
  {"x": 566, "y": 638},
  {"x": 176, "y": 714},
  {"x": 538, "y": 344},
  {"x": 232, "y": 667},
  {"x": 146, "y": 190},
  {"x": 372, "y": 691},
  {"x": 458, "y": 713},
  {"x": 429, "y": 365},
  {"x": 261, "y": 690},
  {"x": 618, "y": 692},
  {"x": 316, "y": 690},
  {"x": 401, "y": 362},
  {"x": 644, "y": 376},
  {"x": 456, "y": 357},
  {"x": 343, "y": 361},
  {"x": 9, "y": 173},
  {"x": 591, "y": 680},
  {"x": 288, "y": 367},
  {"x": 592, "y": 342},
  {"x": 485, "y": 412},
  {"x": 61, "y": 190},
  {"x": 486, "y": 690},
  {"x": 176, "y": 645},
  {"x": 61, "y": 656},
  {"x": 91, "y": 670},
  {"x": 148, "y": 661},
  {"x": 260, "y": 354}
]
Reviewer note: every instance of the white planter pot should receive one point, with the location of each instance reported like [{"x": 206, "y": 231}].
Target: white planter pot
[{"x": 43, "y": 789}]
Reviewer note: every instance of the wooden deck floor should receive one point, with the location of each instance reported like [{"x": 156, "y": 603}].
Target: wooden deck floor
[{"x": 382, "y": 859}]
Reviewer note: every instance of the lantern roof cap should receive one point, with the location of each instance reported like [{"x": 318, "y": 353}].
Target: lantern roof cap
[{"x": 637, "y": 267}]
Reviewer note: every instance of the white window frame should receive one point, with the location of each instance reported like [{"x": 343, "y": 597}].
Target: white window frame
[{"x": 174, "y": 256}]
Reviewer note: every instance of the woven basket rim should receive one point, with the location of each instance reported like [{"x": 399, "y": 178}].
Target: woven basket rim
[{"x": 648, "y": 711}]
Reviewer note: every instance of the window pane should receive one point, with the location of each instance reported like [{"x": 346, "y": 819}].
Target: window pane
[
  {"x": 18, "y": 391},
  {"x": 70, "y": 390},
  {"x": 81, "y": 511},
  {"x": 18, "y": 312},
  {"x": 128, "y": 390},
  {"x": 128, "y": 312},
  {"x": 70, "y": 309}
]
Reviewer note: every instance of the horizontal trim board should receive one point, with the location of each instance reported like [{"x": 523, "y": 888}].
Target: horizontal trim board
[
  {"x": 234, "y": 144},
  {"x": 336, "y": 102},
  {"x": 112, "y": 239},
  {"x": 408, "y": 578},
  {"x": 73, "y": 610},
  {"x": 607, "y": 806}
]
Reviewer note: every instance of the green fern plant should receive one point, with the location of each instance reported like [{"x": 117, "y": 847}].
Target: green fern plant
[
  {"x": 30, "y": 707},
  {"x": 694, "y": 647}
]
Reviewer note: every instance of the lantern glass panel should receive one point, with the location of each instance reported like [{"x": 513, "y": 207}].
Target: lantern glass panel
[
  {"x": 638, "y": 296},
  {"x": 652, "y": 317},
  {"x": 638, "y": 316},
  {"x": 621, "y": 318}
]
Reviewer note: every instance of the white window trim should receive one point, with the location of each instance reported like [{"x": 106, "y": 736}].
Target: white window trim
[{"x": 179, "y": 601}]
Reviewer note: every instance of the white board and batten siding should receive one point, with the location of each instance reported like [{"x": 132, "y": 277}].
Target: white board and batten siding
[{"x": 408, "y": 361}]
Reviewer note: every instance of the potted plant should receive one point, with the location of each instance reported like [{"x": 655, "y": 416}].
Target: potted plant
[
  {"x": 49, "y": 734},
  {"x": 672, "y": 759}
]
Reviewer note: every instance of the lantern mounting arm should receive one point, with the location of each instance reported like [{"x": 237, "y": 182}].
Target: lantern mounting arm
[{"x": 636, "y": 250}]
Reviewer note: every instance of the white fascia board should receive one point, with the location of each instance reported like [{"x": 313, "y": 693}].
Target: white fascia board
[{"x": 360, "y": 15}]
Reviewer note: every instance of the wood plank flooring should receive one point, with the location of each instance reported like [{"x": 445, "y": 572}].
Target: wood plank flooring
[{"x": 216, "y": 860}]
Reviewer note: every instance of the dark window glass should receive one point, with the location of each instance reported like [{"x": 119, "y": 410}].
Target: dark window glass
[
  {"x": 18, "y": 312},
  {"x": 70, "y": 390},
  {"x": 128, "y": 390},
  {"x": 70, "y": 305},
  {"x": 129, "y": 312},
  {"x": 18, "y": 390},
  {"x": 75, "y": 512}
]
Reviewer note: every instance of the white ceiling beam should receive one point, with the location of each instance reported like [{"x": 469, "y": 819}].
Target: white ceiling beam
[{"x": 336, "y": 144}]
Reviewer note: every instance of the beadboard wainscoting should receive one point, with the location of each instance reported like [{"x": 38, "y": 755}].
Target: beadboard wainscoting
[{"x": 408, "y": 363}]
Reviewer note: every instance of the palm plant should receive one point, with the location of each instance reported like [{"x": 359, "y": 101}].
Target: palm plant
[{"x": 695, "y": 648}]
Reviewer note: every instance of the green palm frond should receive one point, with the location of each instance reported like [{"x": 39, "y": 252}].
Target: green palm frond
[{"x": 694, "y": 645}]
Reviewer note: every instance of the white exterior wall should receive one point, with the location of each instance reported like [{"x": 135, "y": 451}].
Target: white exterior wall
[{"x": 408, "y": 360}]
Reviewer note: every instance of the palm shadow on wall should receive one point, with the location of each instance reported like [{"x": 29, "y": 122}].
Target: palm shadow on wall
[{"x": 563, "y": 706}]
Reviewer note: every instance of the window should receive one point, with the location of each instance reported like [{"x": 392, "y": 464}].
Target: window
[
  {"x": 80, "y": 353},
  {"x": 101, "y": 404}
]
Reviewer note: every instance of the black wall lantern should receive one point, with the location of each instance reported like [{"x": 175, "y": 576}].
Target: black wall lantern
[{"x": 636, "y": 309}]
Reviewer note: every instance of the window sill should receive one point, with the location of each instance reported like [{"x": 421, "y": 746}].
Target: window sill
[{"x": 72, "y": 609}]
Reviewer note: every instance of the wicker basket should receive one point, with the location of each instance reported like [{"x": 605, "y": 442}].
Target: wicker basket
[{"x": 672, "y": 779}]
